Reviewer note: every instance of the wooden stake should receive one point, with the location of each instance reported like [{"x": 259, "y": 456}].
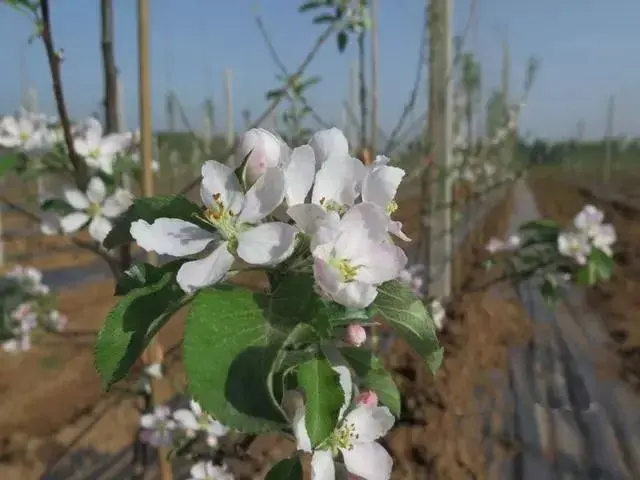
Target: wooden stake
[
  {"x": 144, "y": 92},
  {"x": 374, "y": 76}
]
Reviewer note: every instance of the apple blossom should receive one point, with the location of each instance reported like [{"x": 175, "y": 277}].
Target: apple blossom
[
  {"x": 95, "y": 208},
  {"x": 26, "y": 132},
  {"x": 354, "y": 437},
  {"x": 588, "y": 220},
  {"x": 209, "y": 471},
  {"x": 329, "y": 144},
  {"x": 100, "y": 151},
  {"x": 604, "y": 237},
  {"x": 368, "y": 398},
  {"x": 259, "y": 149},
  {"x": 236, "y": 218},
  {"x": 354, "y": 255},
  {"x": 438, "y": 313},
  {"x": 380, "y": 186},
  {"x": 356, "y": 335},
  {"x": 575, "y": 245},
  {"x": 158, "y": 426},
  {"x": 194, "y": 419}
]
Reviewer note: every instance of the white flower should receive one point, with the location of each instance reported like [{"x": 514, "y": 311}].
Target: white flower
[
  {"x": 414, "y": 278},
  {"x": 575, "y": 245},
  {"x": 158, "y": 426},
  {"x": 56, "y": 320},
  {"x": 26, "y": 317},
  {"x": 380, "y": 186},
  {"x": 336, "y": 189},
  {"x": 588, "y": 220},
  {"x": 438, "y": 314},
  {"x": 194, "y": 420},
  {"x": 135, "y": 158},
  {"x": 354, "y": 437},
  {"x": 95, "y": 207},
  {"x": 604, "y": 237},
  {"x": 235, "y": 216},
  {"x": 100, "y": 152},
  {"x": 209, "y": 471},
  {"x": 25, "y": 132},
  {"x": 260, "y": 150},
  {"x": 330, "y": 144},
  {"x": 16, "y": 345},
  {"x": 353, "y": 255},
  {"x": 496, "y": 245}
]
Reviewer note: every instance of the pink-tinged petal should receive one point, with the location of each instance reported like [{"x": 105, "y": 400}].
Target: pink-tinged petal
[
  {"x": 220, "y": 180},
  {"x": 381, "y": 185},
  {"x": 328, "y": 145},
  {"x": 299, "y": 174},
  {"x": 307, "y": 216},
  {"x": 322, "y": 466},
  {"x": 355, "y": 295}
]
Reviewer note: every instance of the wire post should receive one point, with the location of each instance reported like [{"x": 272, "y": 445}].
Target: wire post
[{"x": 144, "y": 91}]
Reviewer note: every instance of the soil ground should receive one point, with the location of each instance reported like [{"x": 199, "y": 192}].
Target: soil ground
[
  {"x": 52, "y": 400},
  {"x": 618, "y": 300}
]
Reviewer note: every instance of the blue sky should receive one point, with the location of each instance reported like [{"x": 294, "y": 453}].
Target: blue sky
[{"x": 589, "y": 50}]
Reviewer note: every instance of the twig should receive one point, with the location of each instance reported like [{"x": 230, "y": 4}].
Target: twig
[
  {"x": 303, "y": 66},
  {"x": 280, "y": 64},
  {"x": 54, "y": 61}
]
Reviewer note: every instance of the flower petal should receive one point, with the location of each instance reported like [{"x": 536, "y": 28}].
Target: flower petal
[
  {"x": 116, "y": 204},
  {"x": 115, "y": 143},
  {"x": 267, "y": 244},
  {"x": 368, "y": 460},
  {"x": 99, "y": 228},
  {"x": 298, "y": 425},
  {"x": 346, "y": 383},
  {"x": 337, "y": 181},
  {"x": 262, "y": 150},
  {"x": 186, "y": 419},
  {"x": 73, "y": 222},
  {"x": 381, "y": 185},
  {"x": 218, "y": 179},
  {"x": 207, "y": 271},
  {"x": 263, "y": 197},
  {"x": 170, "y": 236},
  {"x": 307, "y": 216},
  {"x": 370, "y": 423},
  {"x": 355, "y": 295},
  {"x": 322, "y": 467},
  {"x": 329, "y": 144},
  {"x": 299, "y": 174},
  {"x": 75, "y": 198},
  {"x": 380, "y": 264},
  {"x": 96, "y": 190}
]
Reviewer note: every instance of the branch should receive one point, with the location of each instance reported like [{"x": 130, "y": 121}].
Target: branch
[
  {"x": 303, "y": 66},
  {"x": 54, "y": 60},
  {"x": 280, "y": 64}
]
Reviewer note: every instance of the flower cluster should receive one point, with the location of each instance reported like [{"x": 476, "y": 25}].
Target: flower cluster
[
  {"x": 26, "y": 305},
  {"x": 361, "y": 421},
  {"x": 164, "y": 427},
  {"x": 497, "y": 245},
  {"x": 589, "y": 233},
  {"x": 314, "y": 199},
  {"x": 93, "y": 207}
]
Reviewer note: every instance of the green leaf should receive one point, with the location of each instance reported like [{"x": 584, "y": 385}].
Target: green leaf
[
  {"x": 323, "y": 398},
  {"x": 409, "y": 317},
  {"x": 548, "y": 290},
  {"x": 149, "y": 209},
  {"x": 8, "y": 163},
  {"x": 131, "y": 325},
  {"x": 372, "y": 376},
  {"x": 324, "y": 18},
  {"x": 539, "y": 231},
  {"x": 229, "y": 350},
  {"x": 342, "y": 39},
  {"x": 601, "y": 263},
  {"x": 293, "y": 298},
  {"x": 142, "y": 274},
  {"x": 311, "y": 5},
  {"x": 287, "y": 469}
]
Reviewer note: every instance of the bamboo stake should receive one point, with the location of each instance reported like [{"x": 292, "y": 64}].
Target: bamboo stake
[{"x": 154, "y": 351}]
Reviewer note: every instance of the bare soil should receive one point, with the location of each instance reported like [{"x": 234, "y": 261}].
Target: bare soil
[{"x": 617, "y": 301}]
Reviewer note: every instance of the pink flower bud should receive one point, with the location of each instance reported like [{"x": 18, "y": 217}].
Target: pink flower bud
[
  {"x": 367, "y": 398},
  {"x": 356, "y": 334}
]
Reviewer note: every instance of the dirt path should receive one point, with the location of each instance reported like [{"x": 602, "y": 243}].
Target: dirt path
[{"x": 570, "y": 420}]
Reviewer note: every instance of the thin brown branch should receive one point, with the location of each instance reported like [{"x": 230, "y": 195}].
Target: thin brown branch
[
  {"x": 54, "y": 60},
  {"x": 321, "y": 40}
]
